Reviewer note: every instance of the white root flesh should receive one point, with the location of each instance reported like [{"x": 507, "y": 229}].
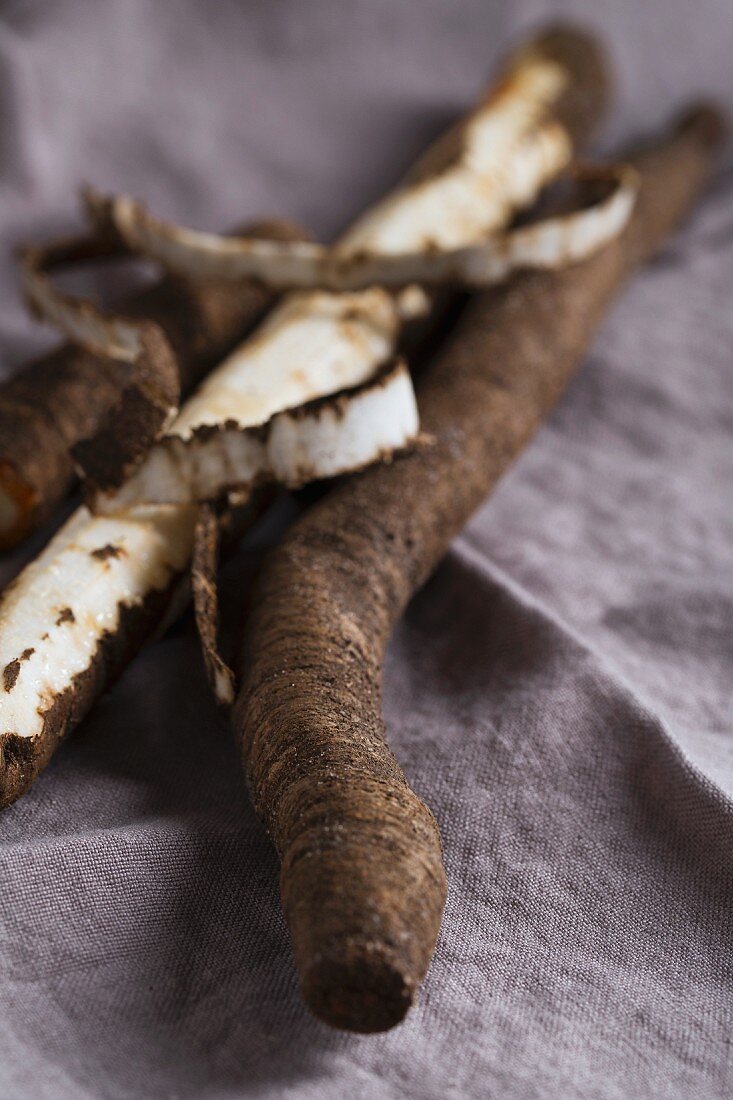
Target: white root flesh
[
  {"x": 314, "y": 344},
  {"x": 330, "y": 437},
  {"x": 54, "y": 616},
  {"x": 311, "y": 345},
  {"x": 286, "y": 265}
]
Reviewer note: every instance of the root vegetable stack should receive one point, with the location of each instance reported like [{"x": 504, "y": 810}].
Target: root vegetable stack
[
  {"x": 76, "y": 616},
  {"x": 317, "y": 391}
]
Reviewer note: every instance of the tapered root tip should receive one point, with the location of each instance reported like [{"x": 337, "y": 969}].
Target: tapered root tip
[
  {"x": 364, "y": 907},
  {"x": 364, "y": 992},
  {"x": 363, "y": 889}
]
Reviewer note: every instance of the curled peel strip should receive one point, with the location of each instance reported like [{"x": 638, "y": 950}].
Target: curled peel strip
[
  {"x": 553, "y": 242},
  {"x": 204, "y": 566},
  {"x": 332, "y": 435},
  {"x": 150, "y": 398},
  {"x": 84, "y": 324}
]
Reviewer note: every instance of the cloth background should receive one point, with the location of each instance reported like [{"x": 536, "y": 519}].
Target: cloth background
[{"x": 559, "y": 693}]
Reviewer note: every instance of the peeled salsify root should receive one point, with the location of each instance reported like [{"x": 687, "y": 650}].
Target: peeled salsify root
[
  {"x": 57, "y": 401},
  {"x": 74, "y": 617},
  {"x": 362, "y": 880}
]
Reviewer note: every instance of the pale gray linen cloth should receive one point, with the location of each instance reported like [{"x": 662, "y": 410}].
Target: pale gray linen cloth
[{"x": 559, "y": 693}]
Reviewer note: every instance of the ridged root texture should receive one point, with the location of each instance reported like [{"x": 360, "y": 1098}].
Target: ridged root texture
[{"x": 358, "y": 847}]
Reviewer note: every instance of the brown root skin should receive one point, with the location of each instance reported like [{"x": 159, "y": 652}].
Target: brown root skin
[
  {"x": 138, "y": 417},
  {"x": 62, "y": 398},
  {"x": 362, "y": 879}
]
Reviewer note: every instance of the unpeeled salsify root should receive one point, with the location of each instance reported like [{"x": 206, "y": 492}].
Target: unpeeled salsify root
[
  {"x": 64, "y": 397},
  {"x": 362, "y": 879}
]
